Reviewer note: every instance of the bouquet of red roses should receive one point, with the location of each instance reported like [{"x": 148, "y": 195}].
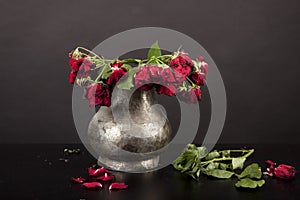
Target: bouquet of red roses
[{"x": 169, "y": 74}]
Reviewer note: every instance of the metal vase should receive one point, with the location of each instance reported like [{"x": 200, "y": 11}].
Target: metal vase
[{"x": 131, "y": 143}]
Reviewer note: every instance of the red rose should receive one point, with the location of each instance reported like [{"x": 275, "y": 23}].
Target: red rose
[
  {"x": 285, "y": 171},
  {"x": 183, "y": 70},
  {"x": 72, "y": 77},
  {"x": 193, "y": 95},
  {"x": 117, "y": 73},
  {"x": 85, "y": 69},
  {"x": 167, "y": 76},
  {"x": 148, "y": 75},
  {"x": 155, "y": 73},
  {"x": 75, "y": 64},
  {"x": 115, "y": 76},
  {"x": 116, "y": 65},
  {"x": 179, "y": 77},
  {"x": 98, "y": 94},
  {"x": 200, "y": 58},
  {"x": 86, "y": 66},
  {"x": 142, "y": 76},
  {"x": 197, "y": 78},
  {"x": 167, "y": 90},
  {"x": 204, "y": 69},
  {"x": 197, "y": 92},
  {"x": 182, "y": 64}
]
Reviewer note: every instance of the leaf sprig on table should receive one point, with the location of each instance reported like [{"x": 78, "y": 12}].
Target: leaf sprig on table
[{"x": 221, "y": 164}]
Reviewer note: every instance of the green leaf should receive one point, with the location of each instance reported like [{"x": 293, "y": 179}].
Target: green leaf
[
  {"x": 186, "y": 159},
  {"x": 226, "y": 153},
  {"x": 127, "y": 82},
  {"x": 188, "y": 165},
  {"x": 251, "y": 171},
  {"x": 223, "y": 166},
  {"x": 154, "y": 51},
  {"x": 105, "y": 71},
  {"x": 212, "y": 166},
  {"x": 212, "y": 155},
  {"x": 202, "y": 152},
  {"x": 106, "y": 74},
  {"x": 127, "y": 67},
  {"x": 249, "y": 183},
  {"x": 219, "y": 173},
  {"x": 238, "y": 163},
  {"x": 131, "y": 60},
  {"x": 198, "y": 173}
]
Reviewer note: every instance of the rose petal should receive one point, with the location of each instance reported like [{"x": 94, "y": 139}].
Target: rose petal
[
  {"x": 106, "y": 177},
  {"x": 78, "y": 180},
  {"x": 271, "y": 163},
  {"x": 118, "y": 186},
  {"x": 91, "y": 185},
  {"x": 96, "y": 172}
]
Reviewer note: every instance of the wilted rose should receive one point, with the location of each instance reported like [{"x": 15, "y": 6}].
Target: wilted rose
[
  {"x": 115, "y": 76},
  {"x": 285, "y": 171},
  {"x": 282, "y": 171},
  {"x": 98, "y": 94},
  {"x": 182, "y": 64},
  {"x": 197, "y": 78},
  {"x": 192, "y": 95},
  {"x": 72, "y": 77}
]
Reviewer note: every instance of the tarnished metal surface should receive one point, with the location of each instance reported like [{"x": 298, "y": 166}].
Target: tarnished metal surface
[{"x": 130, "y": 145}]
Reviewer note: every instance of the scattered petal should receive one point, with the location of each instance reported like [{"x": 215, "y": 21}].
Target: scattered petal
[
  {"x": 106, "y": 177},
  {"x": 96, "y": 172},
  {"x": 91, "y": 185},
  {"x": 269, "y": 162},
  {"x": 117, "y": 185},
  {"x": 78, "y": 180}
]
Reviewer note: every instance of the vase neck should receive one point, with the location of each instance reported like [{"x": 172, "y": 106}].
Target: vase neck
[{"x": 140, "y": 104}]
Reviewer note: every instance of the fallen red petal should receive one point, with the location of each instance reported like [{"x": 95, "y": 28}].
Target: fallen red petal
[
  {"x": 106, "y": 177},
  {"x": 96, "y": 172},
  {"x": 91, "y": 185},
  {"x": 78, "y": 180},
  {"x": 269, "y": 162},
  {"x": 118, "y": 186}
]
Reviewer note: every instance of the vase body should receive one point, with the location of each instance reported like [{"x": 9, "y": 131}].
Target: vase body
[{"x": 133, "y": 141}]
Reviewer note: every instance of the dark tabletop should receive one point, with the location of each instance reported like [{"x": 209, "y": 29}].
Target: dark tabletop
[{"x": 35, "y": 172}]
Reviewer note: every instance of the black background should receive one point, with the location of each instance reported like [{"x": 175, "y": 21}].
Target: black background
[{"x": 255, "y": 45}]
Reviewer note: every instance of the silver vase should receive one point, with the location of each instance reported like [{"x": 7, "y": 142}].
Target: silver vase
[{"x": 131, "y": 143}]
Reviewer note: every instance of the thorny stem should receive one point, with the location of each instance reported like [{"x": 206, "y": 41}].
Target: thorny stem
[
  {"x": 91, "y": 52},
  {"x": 248, "y": 153}
]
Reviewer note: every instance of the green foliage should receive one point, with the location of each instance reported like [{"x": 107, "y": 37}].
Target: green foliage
[
  {"x": 127, "y": 81},
  {"x": 249, "y": 183},
  {"x": 195, "y": 161},
  {"x": 238, "y": 163},
  {"x": 212, "y": 155},
  {"x": 219, "y": 173},
  {"x": 127, "y": 66},
  {"x": 105, "y": 71},
  {"x": 251, "y": 171},
  {"x": 154, "y": 51}
]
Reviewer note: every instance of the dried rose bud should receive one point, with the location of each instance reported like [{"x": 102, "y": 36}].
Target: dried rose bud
[
  {"x": 285, "y": 171},
  {"x": 282, "y": 171}
]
